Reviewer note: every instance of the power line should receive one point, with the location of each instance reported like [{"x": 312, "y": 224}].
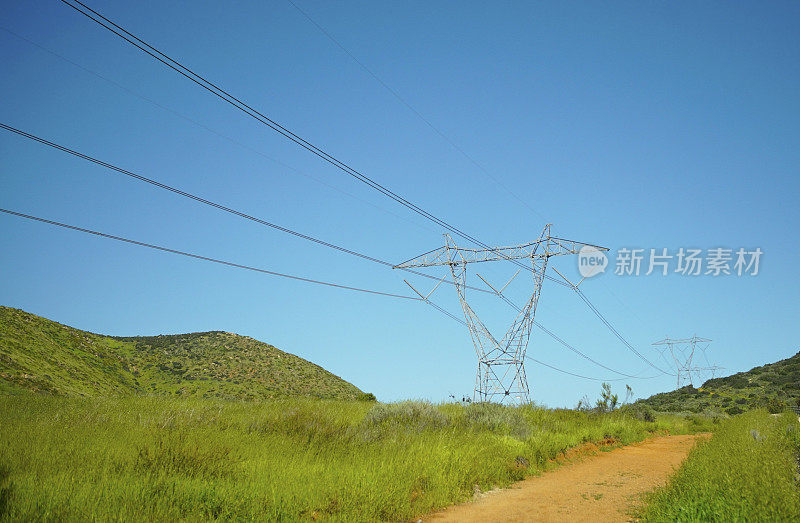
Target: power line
[
  {"x": 462, "y": 322},
  {"x": 602, "y": 318},
  {"x": 246, "y": 216},
  {"x": 228, "y": 138},
  {"x": 248, "y": 267},
  {"x": 210, "y": 130},
  {"x": 242, "y": 106},
  {"x": 402, "y": 100},
  {"x": 608, "y": 324},
  {"x": 205, "y": 201},
  {"x": 205, "y": 258},
  {"x": 565, "y": 344},
  {"x": 582, "y": 355},
  {"x": 250, "y": 111},
  {"x": 253, "y": 113},
  {"x": 445, "y": 312},
  {"x": 616, "y": 332},
  {"x": 572, "y": 373},
  {"x": 185, "y": 194},
  {"x": 413, "y": 110}
]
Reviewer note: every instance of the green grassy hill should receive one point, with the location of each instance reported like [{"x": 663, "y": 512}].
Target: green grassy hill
[
  {"x": 773, "y": 386},
  {"x": 41, "y": 355}
]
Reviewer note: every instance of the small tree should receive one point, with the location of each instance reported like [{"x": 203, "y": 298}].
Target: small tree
[
  {"x": 628, "y": 394},
  {"x": 608, "y": 401}
]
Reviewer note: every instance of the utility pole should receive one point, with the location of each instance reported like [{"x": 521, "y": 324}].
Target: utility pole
[
  {"x": 501, "y": 362},
  {"x": 683, "y": 353}
]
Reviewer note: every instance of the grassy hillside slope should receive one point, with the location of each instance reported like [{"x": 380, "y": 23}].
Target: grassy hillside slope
[
  {"x": 41, "y": 355},
  {"x": 773, "y": 386}
]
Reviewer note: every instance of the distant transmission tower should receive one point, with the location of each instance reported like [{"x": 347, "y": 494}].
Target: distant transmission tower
[
  {"x": 501, "y": 363},
  {"x": 683, "y": 354}
]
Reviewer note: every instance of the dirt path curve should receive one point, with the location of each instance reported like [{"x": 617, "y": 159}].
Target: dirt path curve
[{"x": 600, "y": 487}]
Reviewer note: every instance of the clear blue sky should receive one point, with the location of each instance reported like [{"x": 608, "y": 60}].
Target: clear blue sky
[{"x": 638, "y": 125}]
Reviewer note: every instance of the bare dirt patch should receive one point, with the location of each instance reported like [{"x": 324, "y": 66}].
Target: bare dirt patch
[{"x": 600, "y": 486}]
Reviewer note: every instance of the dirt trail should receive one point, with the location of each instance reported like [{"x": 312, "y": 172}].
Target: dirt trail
[{"x": 600, "y": 487}]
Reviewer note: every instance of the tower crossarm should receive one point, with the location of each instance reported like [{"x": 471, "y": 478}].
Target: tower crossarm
[
  {"x": 669, "y": 341},
  {"x": 542, "y": 248}
]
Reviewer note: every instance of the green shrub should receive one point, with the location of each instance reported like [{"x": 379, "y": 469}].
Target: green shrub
[
  {"x": 775, "y": 406},
  {"x": 640, "y": 411},
  {"x": 496, "y": 418},
  {"x": 366, "y": 396},
  {"x": 412, "y": 415}
]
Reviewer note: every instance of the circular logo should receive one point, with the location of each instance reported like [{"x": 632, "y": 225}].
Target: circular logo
[{"x": 591, "y": 261}]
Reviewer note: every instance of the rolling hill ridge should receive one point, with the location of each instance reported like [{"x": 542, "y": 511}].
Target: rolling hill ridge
[
  {"x": 774, "y": 386},
  {"x": 37, "y": 354}
]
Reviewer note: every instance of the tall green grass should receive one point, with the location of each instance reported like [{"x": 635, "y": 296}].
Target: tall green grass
[
  {"x": 156, "y": 458},
  {"x": 748, "y": 471}
]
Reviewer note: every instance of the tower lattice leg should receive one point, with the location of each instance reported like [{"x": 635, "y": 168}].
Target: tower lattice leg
[{"x": 501, "y": 374}]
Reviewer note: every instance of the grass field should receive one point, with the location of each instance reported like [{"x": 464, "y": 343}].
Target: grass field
[
  {"x": 193, "y": 458},
  {"x": 748, "y": 471}
]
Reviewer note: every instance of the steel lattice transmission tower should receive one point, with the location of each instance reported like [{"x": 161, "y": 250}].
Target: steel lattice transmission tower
[
  {"x": 683, "y": 354},
  {"x": 501, "y": 368}
]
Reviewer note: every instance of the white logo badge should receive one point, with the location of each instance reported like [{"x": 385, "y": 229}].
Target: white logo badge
[{"x": 591, "y": 261}]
